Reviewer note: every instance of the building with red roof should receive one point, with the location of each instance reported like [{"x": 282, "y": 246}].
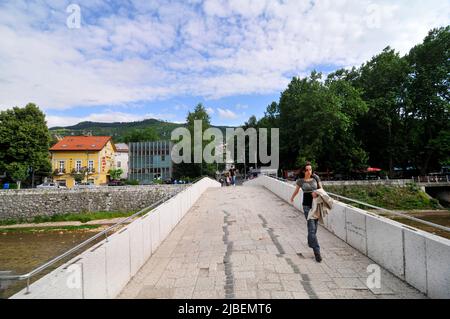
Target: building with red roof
[{"x": 82, "y": 159}]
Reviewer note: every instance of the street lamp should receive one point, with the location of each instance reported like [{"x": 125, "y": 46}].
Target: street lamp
[{"x": 219, "y": 149}]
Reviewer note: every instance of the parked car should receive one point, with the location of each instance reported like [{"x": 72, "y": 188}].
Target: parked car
[
  {"x": 84, "y": 185},
  {"x": 51, "y": 186},
  {"x": 116, "y": 183}
]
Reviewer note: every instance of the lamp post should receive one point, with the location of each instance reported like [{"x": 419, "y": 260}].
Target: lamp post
[{"x": 219, "y": 149}]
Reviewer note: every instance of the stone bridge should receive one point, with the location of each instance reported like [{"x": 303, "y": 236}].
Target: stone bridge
[{"x": 249, "y": 242}]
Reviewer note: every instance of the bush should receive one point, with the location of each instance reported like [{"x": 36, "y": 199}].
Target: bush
[
  {"x": 389, "y": 197},
  {"x": 435, "y": 203},
  {"x": 131, "y": 182},
  {"x": 413, "y": 187}
]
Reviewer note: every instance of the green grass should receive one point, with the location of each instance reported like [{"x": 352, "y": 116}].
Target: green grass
[
  {"x": 47, "y": 229},
  {"x": 81, "y": 217},
  {"x": 389, "y": 197}
]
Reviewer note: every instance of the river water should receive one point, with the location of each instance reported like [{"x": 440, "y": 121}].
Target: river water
[
  {"x": 20, "y": 252},
  {"x": 440, "y": 217}
]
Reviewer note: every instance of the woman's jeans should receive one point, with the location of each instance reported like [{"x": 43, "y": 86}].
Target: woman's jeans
[{"x": 312, "y": 230}]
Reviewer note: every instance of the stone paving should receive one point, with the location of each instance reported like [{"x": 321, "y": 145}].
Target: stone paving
[{"x": 245, "y": 242}]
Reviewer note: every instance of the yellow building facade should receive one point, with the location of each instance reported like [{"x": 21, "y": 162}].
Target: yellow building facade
[{"x": 89, "y": 156}]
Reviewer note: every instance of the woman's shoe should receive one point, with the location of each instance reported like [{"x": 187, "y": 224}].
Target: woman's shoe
[{"x": 318, "y": 257}]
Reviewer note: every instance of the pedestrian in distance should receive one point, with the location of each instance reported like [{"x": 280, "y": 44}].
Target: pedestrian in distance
[{"x": 233, "y": 175}]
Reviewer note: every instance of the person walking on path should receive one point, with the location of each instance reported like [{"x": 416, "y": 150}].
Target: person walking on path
[
  {"x": 227, "y": 179},
  {"x": 309, "y": 183},
  {"x": 233, "y": 175}
]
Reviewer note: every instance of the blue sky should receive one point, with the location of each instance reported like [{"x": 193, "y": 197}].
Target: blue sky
[{"x": 131, "y": 60}]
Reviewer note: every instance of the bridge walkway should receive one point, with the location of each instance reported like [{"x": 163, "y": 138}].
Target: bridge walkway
[{"x": 245, "y": 242}]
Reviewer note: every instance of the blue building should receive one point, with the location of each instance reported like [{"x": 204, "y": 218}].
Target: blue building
[{"x": 149, "y": 161}]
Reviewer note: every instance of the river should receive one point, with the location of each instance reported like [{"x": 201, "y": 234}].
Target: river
[{"x": 22, "y": 251}]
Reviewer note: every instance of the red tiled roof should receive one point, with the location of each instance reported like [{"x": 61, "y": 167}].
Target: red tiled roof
[{"x": 81, "y": 143}]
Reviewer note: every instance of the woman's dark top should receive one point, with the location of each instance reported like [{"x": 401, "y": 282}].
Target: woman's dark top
[{"x": 308, "y": 187}]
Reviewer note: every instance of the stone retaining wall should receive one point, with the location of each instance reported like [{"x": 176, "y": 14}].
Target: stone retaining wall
[{"x": 28, "y": 203}]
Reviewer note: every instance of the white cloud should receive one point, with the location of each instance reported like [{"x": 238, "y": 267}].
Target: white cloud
[
  {"x": 175, "y": 49},
  {"x": 210, "y": 110},
  {"x": 241, "y": 106},
  {"x": 181, "y": 107},
  {"x": 227, "y": 114}
]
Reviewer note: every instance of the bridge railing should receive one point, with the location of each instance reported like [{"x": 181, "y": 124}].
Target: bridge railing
[
  {"x": 78, "y": 247},
  {"x": 429, "y": 179},
  {"x": 187, "y": 199},
  {"x": 415, "y": 256},
  {"x": 384, "y": 210}
]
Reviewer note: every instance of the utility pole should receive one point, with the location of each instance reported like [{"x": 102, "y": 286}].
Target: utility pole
[{"x": 32, "y": 177}]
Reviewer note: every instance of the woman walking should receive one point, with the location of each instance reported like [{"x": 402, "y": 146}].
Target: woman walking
[{"x": 309, "y": 183}]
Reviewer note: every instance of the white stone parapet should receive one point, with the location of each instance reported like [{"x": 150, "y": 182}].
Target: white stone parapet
[{"x": 415, "y": 256}]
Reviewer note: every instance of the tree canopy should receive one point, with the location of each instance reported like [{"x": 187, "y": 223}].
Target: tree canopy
[
  {"x": 141, "y": 135},
  {"x": 24, "y": 142},
  {"x": 392, "y": 111},
  {"x": 192, "y": 169}
]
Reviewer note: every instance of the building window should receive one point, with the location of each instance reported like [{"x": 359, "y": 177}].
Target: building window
[
  {"x": 62, "y": 165},
  {"x": 78, "y": 166},
  {"x": 163, "y": 158},
  {"x": 91, "y": 166},
  {"x": 119, "y": 164}
]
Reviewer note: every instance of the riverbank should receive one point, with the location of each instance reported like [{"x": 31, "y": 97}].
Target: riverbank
[
  {"x": 73, "y": 219},
  {"x": 410, "y": 197},
  {"x": 409, "y": 200}
]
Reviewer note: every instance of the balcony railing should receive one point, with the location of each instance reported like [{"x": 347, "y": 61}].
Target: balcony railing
[{"x": 59, "y": 172}]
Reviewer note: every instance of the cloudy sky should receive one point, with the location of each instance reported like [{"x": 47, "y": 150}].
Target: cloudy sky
[{"x": 131, "y": 60}]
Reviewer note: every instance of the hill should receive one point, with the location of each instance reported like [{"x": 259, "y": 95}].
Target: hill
[{"x": 119, "y": 129}]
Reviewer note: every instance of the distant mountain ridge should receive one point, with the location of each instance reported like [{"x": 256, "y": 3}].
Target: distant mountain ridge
[
  {"x": 119, "y": 129},
  {"x": 89, "y": 124}
]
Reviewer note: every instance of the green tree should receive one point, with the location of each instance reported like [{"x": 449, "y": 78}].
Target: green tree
[
  {"x": 316, "y": 122},
  {"x": 343, "y": 151},
  {"x": 391, "y": 111},
  {"x": 17, "y": 171},
  {"x": 271, "y": 116},
  {"x": 382, "y": 81},
  {"x": 115, "y": 173},
  {"x": 141, "y": 135},
  {"x": 195, "y": 169},
  {"x": 299, "y": 119},
  {"x": 428, "y": 114},
  {"x": 24, "y": 139}
]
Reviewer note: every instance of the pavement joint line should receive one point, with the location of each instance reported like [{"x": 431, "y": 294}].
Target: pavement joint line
[
  {"x": 305, "y": 283},
  {"x": 228, "y": 266}
]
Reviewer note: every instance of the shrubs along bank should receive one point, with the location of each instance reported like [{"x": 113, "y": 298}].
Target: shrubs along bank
[{"x": 410, "y": 197}]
